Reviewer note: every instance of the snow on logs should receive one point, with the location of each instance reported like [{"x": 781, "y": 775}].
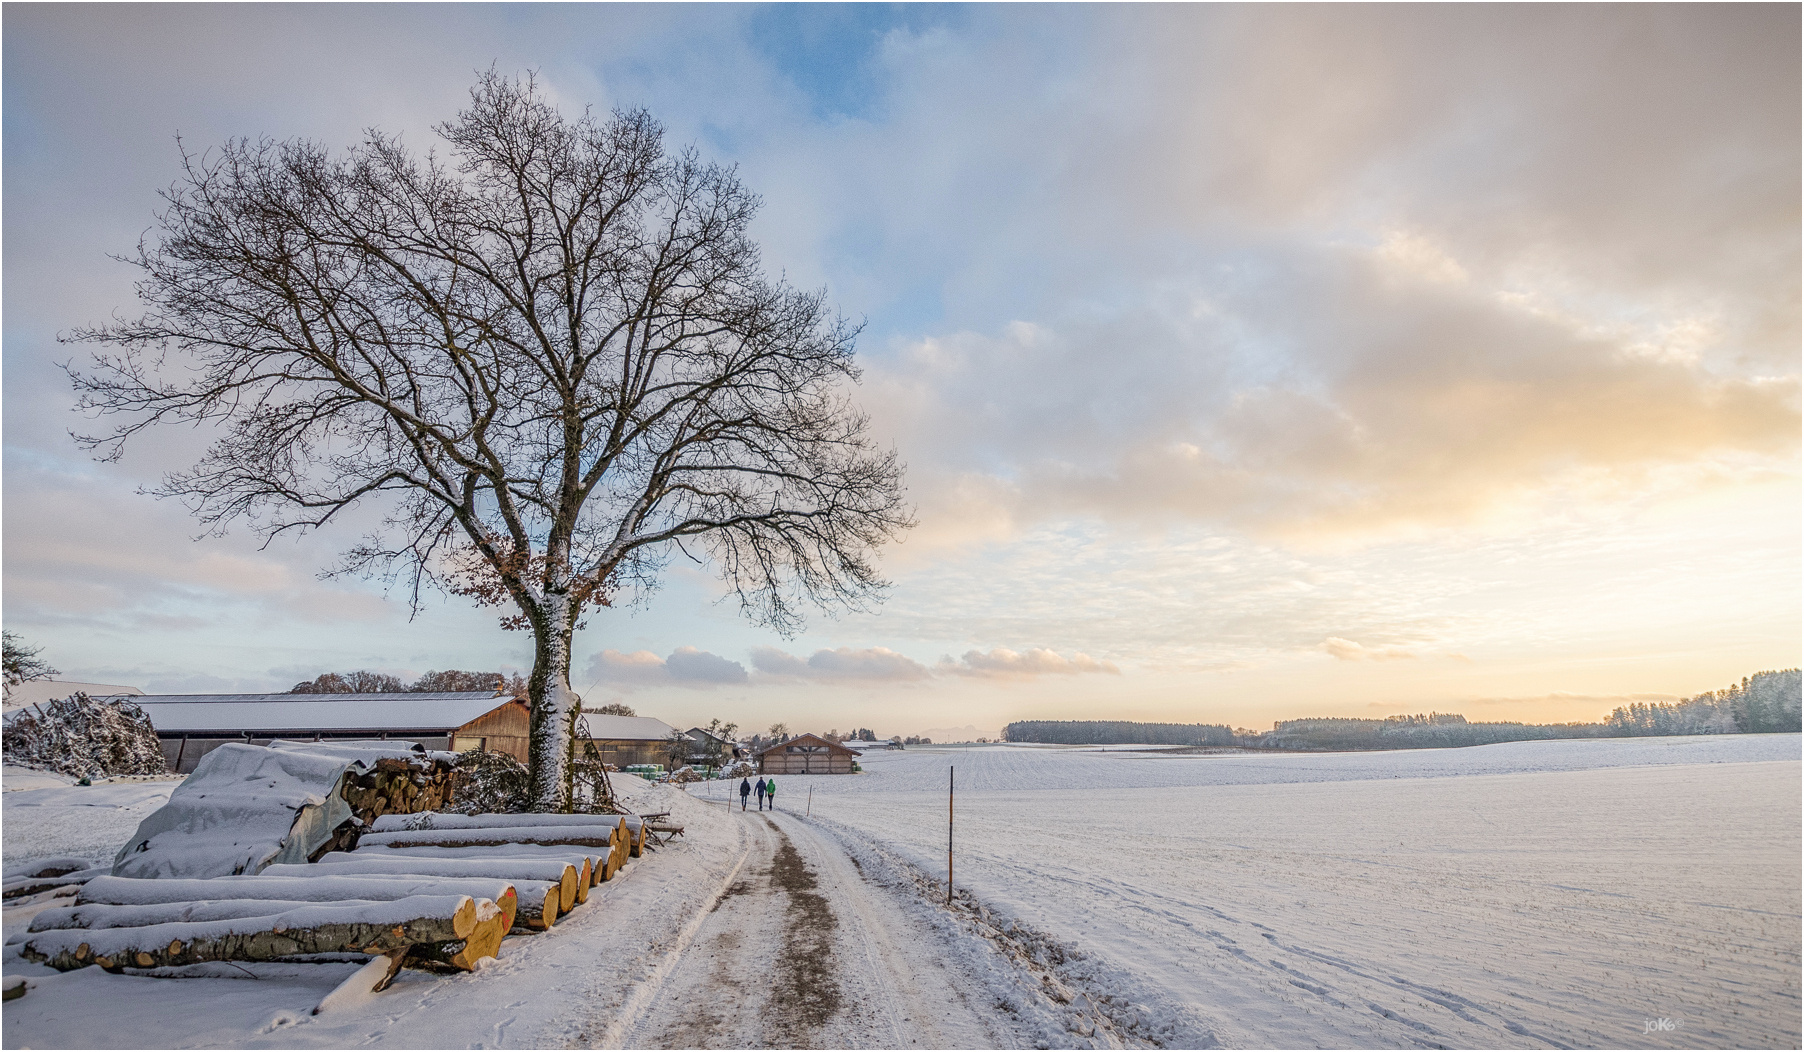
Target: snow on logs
[
  {"x": 455, "y": 930},
  {"x": 570, "y": 882},
  {"x": 578, "y": 836},
  {"x": 492, "y": 830},
  {"x": 602, "y": 862},
  {"x": 429, "y": 897}
]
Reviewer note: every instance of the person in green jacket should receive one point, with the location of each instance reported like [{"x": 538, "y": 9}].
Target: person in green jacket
[{"x": 770, "y": 790}]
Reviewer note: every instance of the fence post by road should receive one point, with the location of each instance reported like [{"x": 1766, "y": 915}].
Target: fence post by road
[{"x": 951, "y": 781}]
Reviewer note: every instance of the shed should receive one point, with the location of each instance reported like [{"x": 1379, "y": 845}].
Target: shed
[
  {"x": 806, "y": 754},
  {"x": 623, "y": 740},
  {"x": 711, "y": 749},
  {"x": 192, "y": 725}
]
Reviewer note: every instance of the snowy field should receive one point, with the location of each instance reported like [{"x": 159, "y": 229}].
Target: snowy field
[{"x": 1522, "y": 895}]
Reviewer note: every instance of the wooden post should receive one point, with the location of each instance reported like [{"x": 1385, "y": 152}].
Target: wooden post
[
  {"x": 951, "y": 784},
  {"x": 810, "y": 810}
]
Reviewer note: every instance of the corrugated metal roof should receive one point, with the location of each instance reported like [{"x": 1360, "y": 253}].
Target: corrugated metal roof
[{"x": 266, "y": 714}]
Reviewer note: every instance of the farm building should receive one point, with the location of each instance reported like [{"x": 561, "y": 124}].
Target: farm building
[
  {"x": 192, "y": 725},
  {"x": 623, "y": 740},
  {"x": 806, "y": 754},
  {"x": 876, "y": 746},
  {"x": 711, "y": 749}
]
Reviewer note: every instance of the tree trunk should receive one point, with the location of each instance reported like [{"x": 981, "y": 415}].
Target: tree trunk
[{"x": 555, "y": 707}]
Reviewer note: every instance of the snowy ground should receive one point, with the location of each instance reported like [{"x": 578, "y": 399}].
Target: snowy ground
[
  {"x": 1521, "y": 895},
  {"x": 43, "y": 814},
  {"x": 1524, "y": 895}
]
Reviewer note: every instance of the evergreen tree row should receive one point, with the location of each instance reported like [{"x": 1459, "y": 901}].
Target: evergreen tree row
[{"x": 1764, "y": 703}]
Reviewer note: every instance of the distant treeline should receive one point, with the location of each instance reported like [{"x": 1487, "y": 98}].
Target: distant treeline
[
  {"x": 1765, "y": 702},
  {"x": 1117, "y": 732},
  {"x": 1434, "y": 731}
]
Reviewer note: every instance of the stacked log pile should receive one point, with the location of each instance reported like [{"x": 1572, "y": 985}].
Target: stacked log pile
[
  {"x": 397, "y": 786},
  {"x": 121, "y": 922},
  {"x": 393, "y": 786},
  {"x": 584, "y": 850},
  {"x": 439, "y": 895}
]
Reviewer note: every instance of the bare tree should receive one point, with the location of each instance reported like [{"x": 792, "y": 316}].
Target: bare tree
[
  {"x": 361, "y": 682},
  {"x": 22, "y": 664},
  {"x": 555, "y": 354}
]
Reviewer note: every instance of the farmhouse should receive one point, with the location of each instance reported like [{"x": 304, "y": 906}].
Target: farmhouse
[
  {"x": 192, "y": 725},
  {"x": 806, "y": 754}
]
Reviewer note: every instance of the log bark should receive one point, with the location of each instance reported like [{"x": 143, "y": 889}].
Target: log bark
[
  {"x": 314, "y": 929},
  {"x": 131, "y": 891},
  {"x": 597, "y": 858},
  {"x": 398, "y": 824},
  {"x": 462, "y": 908},
  {"x": 373, "y": 864},
  {"x": 578, "y": 836},
  {"x": 537, "y": 910},
  {"x": 485, "y": 941}
]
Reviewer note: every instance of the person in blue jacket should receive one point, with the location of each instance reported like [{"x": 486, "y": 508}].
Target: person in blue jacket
[{"x": 760, "y": 788}]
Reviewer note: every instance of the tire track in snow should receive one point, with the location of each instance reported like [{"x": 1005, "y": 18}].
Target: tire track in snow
[{"x": 643, "y": 994}]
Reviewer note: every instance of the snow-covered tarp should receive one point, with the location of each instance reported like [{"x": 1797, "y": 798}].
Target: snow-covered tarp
[{"x": 250, "y": 806}]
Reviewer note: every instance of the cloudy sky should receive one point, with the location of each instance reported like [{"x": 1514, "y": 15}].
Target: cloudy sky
[{"x": 1248, "y": 362}]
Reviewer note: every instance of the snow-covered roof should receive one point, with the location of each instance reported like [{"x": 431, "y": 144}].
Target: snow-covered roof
[
  {"x": 38, "y": 691},
  {"x": 859, "y": 746},
  {"x": 268, "y": 714},
  {"x": 627, "y": 728}
]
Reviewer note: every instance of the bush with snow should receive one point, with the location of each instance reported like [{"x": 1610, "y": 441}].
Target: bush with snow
[
  {"x": 83, "y": 737},
  {"x": 490, "y": 783}
]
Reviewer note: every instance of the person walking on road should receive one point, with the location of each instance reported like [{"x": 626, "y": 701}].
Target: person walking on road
[
  {"x": 760, "y": 794},
  {"x": 745, "y": 790},
  {"x": 770, "y": 790}
]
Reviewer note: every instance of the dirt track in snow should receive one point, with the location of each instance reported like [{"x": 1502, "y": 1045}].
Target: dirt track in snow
[{"x": 800, "y": 951}]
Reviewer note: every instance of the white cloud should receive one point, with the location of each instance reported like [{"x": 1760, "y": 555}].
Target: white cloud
[
  {"x": 844, "y": 663},
  {"x": 686, "y": 666},
  {"x": 1347, "y": 650},
  {"x": 1004, "y": 663}
]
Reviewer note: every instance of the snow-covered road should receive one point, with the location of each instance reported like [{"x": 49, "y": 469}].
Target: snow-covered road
[{"x": 802, "y": 952}]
